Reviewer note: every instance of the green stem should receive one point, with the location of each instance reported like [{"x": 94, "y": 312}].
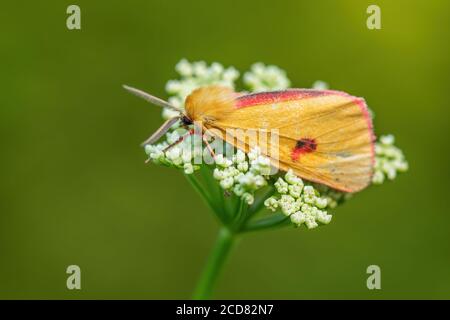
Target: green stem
[
  {"x": 214, "y": 264},
  {"x": 241, "y": 215},
  {"x": 273, "y": 221},
  {"x": 191, "y": 178},
  {"x": 206, "y": 197}
]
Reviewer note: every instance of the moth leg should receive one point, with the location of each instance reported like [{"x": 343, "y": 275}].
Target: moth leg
[
  {"x": 179, "y": 140},
  {"x": 208, "y": 146}
]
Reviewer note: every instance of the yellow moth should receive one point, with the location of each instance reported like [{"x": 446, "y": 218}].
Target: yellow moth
[{"x": 325, "y": 136}]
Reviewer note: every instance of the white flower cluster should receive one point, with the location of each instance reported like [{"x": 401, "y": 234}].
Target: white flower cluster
[
  {"x": 243, "y": 174},
  {"x": 266, "y": 78},
  {"x": 301, "y": 203},
  {"x": 179, "y": 156},
  {"x": 320, "y": 85},
  {"x": 194, "y": 75},
  {"x": 389, "y": 160}
]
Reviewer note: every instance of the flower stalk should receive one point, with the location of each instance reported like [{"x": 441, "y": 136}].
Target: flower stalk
[{"x": 224, "y": 243}]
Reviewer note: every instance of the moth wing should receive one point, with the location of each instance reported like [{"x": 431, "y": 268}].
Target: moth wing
[{"x": 324, "y": 136}]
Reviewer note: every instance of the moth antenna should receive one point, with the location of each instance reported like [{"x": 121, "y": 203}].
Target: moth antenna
[
  {"x": 152, "y": 99},
  {"x": 161, "y": 131}
]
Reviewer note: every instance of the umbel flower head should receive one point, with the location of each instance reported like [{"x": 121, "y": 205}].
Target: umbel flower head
[
  {"x": 301, "y": 203},
  {"x": 389, "y": 160},
  {"x": 265, "y": 78},
  {"x": 247, "y": 176}
]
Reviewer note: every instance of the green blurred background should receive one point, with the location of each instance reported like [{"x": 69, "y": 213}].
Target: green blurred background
[{"x": 75, "y": 189}]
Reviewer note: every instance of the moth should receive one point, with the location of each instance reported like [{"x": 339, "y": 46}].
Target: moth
[{"x": 325, "y": 136}]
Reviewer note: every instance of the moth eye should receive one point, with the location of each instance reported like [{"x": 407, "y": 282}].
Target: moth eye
[
  {"x": 304, "y": 145},
  {"x": 186, "y": 120}
]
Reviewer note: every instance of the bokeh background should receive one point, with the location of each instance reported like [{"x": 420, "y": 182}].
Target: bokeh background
[{"x": 75, "y": 190}]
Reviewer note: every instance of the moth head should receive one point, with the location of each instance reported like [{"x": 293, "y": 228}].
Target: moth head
[
  {"x": 210, "y": 103},
  {"x": 185, "y": 120}
]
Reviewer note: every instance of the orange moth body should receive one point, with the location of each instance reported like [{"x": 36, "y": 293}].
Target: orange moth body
[{"x": 325, "y": 136}]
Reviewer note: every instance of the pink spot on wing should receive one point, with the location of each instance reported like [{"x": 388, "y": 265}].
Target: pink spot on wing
[{"x": 303, "y": 146}]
